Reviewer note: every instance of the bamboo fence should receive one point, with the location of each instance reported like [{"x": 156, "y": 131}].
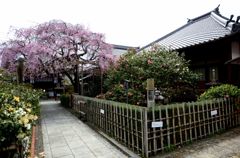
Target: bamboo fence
[{"x": 148, "y": 131}]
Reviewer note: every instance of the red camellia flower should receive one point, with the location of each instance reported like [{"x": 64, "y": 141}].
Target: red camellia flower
[{"x": 150, "y": 61}]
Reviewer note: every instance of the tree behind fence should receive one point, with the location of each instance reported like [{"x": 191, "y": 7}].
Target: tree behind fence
[{"x": 178, "y": 124}]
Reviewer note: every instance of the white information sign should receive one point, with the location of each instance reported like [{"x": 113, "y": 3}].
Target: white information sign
[
  {"x": 101, "y": 111},
  {"x": 157, "y": 124},
  {"x": 213, "y": 112}
]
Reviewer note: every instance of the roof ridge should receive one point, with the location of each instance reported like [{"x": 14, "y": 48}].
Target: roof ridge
[
  {"x": 199, "y": 17},
  {"x": 216, "y": 11},
  {"x": 190, "y": 21}
]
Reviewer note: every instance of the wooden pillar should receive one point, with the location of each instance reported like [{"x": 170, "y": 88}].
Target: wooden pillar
[{"x": 229, "y": 73}]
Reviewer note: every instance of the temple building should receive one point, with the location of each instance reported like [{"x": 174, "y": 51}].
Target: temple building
[{"x": 212, "y": 44}]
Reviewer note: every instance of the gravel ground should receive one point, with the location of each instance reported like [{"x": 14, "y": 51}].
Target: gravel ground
[{"x": 225, "y": 145}]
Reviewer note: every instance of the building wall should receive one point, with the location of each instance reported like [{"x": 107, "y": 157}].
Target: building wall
[
  {"x": 119, "y": 52},
  {"x": 210, "y": 58}
]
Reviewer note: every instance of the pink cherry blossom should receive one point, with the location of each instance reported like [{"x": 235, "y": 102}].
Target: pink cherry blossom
[{"x": 56, "y": 47}]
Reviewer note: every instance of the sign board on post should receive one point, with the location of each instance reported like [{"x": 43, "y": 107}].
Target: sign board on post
[
  {"x": 150, "y": 84},
  {"x": 213, "y": 112},
  {"x": 101, "y": 111},
  {"x": 157, "y": 124}
]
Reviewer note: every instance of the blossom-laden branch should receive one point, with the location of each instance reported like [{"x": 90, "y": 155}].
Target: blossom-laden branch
[{"x": 56, "y": 47}]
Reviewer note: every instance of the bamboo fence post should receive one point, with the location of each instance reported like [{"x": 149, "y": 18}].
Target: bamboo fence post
[
  {"x": 212, "y": 117},
  {"x": 136, "y": 128},
  {"x": 168, "y": 132},
  {"x": 224, "y": 114},
  {"x": 154, "y": 132},
  {"x": 118, "y": 122},
  {"x": 115, "y": 122},
  {"x": 142, "y": 130},
  {"x": 217, "y": 106},
  {"x": 220, "y": 114},
  {"x": 124, "y": 127},
  {"x": 232, "y": 112},
  {"x": 208, "y": 119},
  {"x": 180, "y": 125},
  {"x": 146, "y": 133},
  {"x": 132, "y": 129},
  {"x": 199, "y": 121},
  {"x": 194, "y": 120},
  {"x": 174, "y": 126},
  {"x": 229, "y": 113},
  {"x": 185, "y": 123},
  {"x": 190, "y": 120},
  {"x": 128, "y": 128},
  {"x": 204, "y": 112}
]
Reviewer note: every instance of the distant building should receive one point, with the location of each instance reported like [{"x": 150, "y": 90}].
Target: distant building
[
  {"x": 119, "y": 50},
  {"x": 212, "y": 43}
]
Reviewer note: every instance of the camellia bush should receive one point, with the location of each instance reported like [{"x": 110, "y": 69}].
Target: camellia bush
[
  {"x": 168, "y": 69},
  {"x": 221, "y": 91}
]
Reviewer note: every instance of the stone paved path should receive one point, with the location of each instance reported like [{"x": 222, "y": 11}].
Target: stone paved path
[
  {"x": 225, "y": 145},
  {"x": 65, "y": 136}
]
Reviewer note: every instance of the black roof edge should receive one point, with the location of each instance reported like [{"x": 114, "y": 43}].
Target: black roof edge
[
  {"x": 232, "y": 60},
  {"x": 190, "y": 21}
]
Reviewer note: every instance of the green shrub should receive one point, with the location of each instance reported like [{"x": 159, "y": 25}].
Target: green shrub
[
  {"x": 168, "y": 69},
  {"x": 65, "y": 100},
  {"x": 224, "y": 90},
  {"x": 16, "y": 120}
]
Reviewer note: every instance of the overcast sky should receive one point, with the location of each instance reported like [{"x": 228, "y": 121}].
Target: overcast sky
[{"x": 124, "y": 22}]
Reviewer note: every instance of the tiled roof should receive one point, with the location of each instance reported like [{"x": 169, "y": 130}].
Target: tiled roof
[{"x": 205, "y": 28}]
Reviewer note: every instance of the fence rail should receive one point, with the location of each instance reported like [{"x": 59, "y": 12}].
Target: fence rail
[
  {"x": 148, "y": 131},
  {"x": 121, "y": 121}
]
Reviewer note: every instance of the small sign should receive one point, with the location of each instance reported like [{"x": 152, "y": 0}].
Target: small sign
[
  {"x": 213, "y": 112},
  {"x": 150, "y": 84},
  {"x": 157, "y": 124},
  {"x": 101, "y": 111}
]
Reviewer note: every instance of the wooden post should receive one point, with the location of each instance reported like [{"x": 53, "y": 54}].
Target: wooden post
[
  {"x": 180, "y": 124},
  {"x": 131, "y": 127},
  {"x": 190, "y": 120},
  {"x": 161, "y": 129},
  {"x": 145, "y": 143},
  {"x": 168, "y": 132},
  {"x": 194, "y": 120},
  {"x": 154, "y": 132},
  {"x": 185, "y": 123}
]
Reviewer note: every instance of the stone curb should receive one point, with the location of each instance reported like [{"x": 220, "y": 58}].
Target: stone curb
[{"x": 120, "y": 147}]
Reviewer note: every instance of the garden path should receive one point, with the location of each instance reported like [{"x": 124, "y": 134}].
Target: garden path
[{"x": 65, "y": 136}]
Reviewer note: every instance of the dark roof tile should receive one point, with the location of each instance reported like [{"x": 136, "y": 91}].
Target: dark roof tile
[{"x": 205, "y": 28}]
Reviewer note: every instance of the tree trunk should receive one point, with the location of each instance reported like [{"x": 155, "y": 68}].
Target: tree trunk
[
  {"x": 76, "y": 80},
  {"x": 20, "y": 71}
]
